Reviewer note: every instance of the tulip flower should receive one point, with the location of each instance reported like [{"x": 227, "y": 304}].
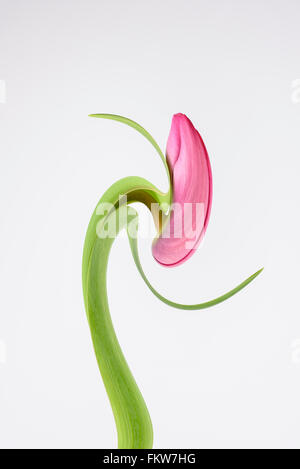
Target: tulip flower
[
  {"x": 179, "y": 233},
  {"x": 190, "y": 170}
]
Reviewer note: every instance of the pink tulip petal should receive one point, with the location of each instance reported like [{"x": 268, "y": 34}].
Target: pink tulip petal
[{"x": 192, "y": 191}]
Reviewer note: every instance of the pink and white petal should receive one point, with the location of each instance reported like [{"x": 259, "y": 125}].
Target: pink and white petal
[{"x": 191, "y": 178}]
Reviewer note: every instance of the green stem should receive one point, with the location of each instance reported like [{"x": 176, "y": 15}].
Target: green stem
[
  {"x": 131, "y": 415},
  {"x": 132, "y": 418}
]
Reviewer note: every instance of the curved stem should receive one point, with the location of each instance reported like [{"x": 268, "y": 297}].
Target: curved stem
[
  {"x": 130, "y": 412},
  {"x": 132, "y": 419},
  {"x": 131, "y": 415}
]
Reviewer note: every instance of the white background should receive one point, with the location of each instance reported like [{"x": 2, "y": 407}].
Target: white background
[{"x": 227, "y": 377}]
